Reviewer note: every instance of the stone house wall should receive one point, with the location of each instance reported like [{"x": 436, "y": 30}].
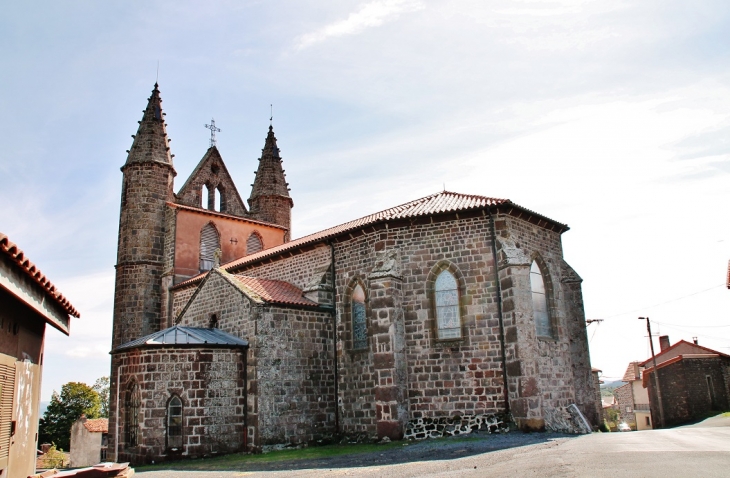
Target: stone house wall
[
  {"x": 210, "y": 383},
  {"x": 685, "y": 391},
  {"x": 85, "y": 449},
  {"x": 625, "y": 399}
]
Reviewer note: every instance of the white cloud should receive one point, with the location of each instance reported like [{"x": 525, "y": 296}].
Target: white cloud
[{"x": 370, "y": 15}]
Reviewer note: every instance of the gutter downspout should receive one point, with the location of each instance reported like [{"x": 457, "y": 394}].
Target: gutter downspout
[
  {"x": 499, "y": 311},
  {"x": 334, "y": 330}
]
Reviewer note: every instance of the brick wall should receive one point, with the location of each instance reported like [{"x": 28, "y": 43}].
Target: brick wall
[{"x": 210, "y": 383}]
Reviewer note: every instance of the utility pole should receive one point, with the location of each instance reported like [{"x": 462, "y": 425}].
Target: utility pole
[{"x": 656, "y": 372}]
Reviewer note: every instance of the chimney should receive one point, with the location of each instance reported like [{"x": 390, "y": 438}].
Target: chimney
[
  {"x": 694, "y": 339},
  {"x": 663, "y": 342},
  {"x": 45, "y": 447}
]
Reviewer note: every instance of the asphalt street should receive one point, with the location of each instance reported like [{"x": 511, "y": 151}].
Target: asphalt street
[{"x": 701, "y": 450}]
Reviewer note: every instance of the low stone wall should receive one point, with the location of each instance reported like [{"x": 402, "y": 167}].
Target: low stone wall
[
  {"x": 566, "y": 420},
  {"x": 422, "y": 428}
]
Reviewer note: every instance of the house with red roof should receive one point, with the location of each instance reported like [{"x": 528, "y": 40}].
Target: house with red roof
[
  {"x": 88, "y": 441},
  {"x": 29, "y": 303},
  {"x": 445, "y": 314},
  {"x": 694, "y": 381}
]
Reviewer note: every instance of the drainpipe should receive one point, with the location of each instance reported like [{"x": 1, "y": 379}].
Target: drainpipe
[
  {"x": 334, "y": 330},
  {"x": 499, "y": 311}
]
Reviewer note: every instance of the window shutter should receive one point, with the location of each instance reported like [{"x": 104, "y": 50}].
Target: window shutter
[
  {"x": 253, "y": 244},
  {"x": 209, "y": 242},
  {"x": 7, "y": 386}
]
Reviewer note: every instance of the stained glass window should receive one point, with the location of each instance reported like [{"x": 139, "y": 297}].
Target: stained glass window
[
  {"x": 174, "y": 423},
  {"x": 359, "y": 321},
  {"x": 447, "y": 306},
  {"x": 539, "y": 302},
  {"x": 132, "y": 415}
]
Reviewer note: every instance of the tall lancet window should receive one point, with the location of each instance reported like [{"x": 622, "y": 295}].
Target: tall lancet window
[
  {"x": 448, "y": 318},
  {"x": 539, "y": 302},
  {"x": 359, "y": 319},
  {"x": 174, "y": 423},
  {"x": 131, "y": 415},
  {"x": 209, "y": 243},
  {"x": 254, "y": 243}
]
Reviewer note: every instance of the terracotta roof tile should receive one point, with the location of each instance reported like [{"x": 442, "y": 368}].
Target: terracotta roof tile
[
  {"x": 632, "y": 372},
  {"x": 18, "y": 256},
  {"x": 274, "y": 291},
  {"x": 439, "y": 203},
  {"x": 97, "y": 425},
  {"x": 664, "y": 353}
]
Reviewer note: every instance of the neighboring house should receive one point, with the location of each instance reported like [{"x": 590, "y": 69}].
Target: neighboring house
[
  {"x": 634, "y": 400},
  {"x": 694, "y": 382},
  {"x": 28, "y": 302},
  {"x": 89, "y": 441}
]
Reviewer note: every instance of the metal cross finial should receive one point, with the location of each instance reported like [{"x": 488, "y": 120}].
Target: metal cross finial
[{"x": 213, "y": 130}]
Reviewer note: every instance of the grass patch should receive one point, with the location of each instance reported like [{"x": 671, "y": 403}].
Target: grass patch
[
  {"x": 726, "y": 414},
  {"x": 240, "y": 460}
]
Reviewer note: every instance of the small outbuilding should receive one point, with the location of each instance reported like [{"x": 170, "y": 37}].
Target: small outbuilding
[{"x": 89, "y": 441}]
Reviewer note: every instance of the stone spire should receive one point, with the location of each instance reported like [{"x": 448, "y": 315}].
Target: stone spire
[
  {"x": 270, "y": 179},
  {"x": 150, "y": 142},
  {"x": 270, "y": 201}
]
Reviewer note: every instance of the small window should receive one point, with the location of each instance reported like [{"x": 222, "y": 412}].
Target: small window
[
  {"x": 359, "y": 319},
  {"x": 174, "y": 423},
  {"x": 205, "y": 197},
  {"x": 254, "y": 243},
  {"x": 539, "y": 302},
  {"x": 448, "y": 316},
  {"x": 213, "y": 322},
  {"x": 132, "y": 416},
  {"x": 216, "y": 199},
  {"x": 209, "y": 243},
  {"x": 648, "y": 421}
]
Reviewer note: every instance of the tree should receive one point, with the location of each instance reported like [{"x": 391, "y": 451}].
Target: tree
[
  {"x": 76, "y": 399},
  {"x": 101, "y": 386}
]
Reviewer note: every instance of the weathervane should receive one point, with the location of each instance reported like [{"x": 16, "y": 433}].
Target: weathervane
[
  {"x": 271, "y": 119},
  {"x": 213, "y": 130}
]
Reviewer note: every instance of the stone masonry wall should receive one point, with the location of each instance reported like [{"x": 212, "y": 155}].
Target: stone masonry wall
[
  {"x": 625, "y": 398},
  {"x": 685, "y": 392},
  {"x": 541, "y": 370},
  {"x": 210, "y": 383},
  {"x": 293, "y": 356}
]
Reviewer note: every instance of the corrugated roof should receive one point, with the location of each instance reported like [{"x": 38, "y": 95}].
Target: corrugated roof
[
  {"x": 97, "y": 425},
  {"x": 273, "y": 291},
  {"x": 18, "y": 256},
  {"x": 439, "y": 203},
  {"x": 179, "y": 335}
]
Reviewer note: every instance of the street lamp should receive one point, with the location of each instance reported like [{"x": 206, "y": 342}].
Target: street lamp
[{"x": 656, "y": 373}]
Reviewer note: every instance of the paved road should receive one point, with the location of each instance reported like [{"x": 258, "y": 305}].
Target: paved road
[{"x": 692, "y": 451}]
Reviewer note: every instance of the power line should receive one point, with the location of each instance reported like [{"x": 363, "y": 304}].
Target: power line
[{"x": 667, "y": 302}]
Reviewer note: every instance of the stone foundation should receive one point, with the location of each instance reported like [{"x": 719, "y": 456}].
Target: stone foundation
[{"x": 422, "y": 428}]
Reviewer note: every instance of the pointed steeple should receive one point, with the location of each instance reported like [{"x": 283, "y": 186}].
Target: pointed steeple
[
  {"x": 270, "y": 179},
  {"x": 270, "y": 201},
  {"x": 150, "y": 142}
]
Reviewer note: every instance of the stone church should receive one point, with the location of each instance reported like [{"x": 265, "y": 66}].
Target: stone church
[{"x": 445, "y": 314}]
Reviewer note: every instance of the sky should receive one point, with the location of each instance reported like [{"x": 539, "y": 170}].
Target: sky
[{"x": 612, "y": 117}]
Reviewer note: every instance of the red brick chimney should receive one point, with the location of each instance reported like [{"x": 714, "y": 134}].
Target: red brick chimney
[{"x": 663, "y": 342}]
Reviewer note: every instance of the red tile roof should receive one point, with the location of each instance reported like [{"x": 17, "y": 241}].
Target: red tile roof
[
  {"x": 221, "y": 214},
  {"x": 274, "y": 291},
  {"x": 632, "y": 372},
  {"x": 439, "y": 203},
  {"x": 97, "y": 425},
  {"x": 699, "y": 348},
  {"x": 18, "y": 256},
  {"x": 678, "y": 358}
]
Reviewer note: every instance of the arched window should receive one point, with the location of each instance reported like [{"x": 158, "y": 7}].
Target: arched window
[
  {"x": 174, "y": 423},
  {"x": 131, "y": 417},
  {"x": 216, "y": 200},
  {"x": 213, "y": 321},
  {"x": 539, "y": 302},
  {"x": 359, "y": 319},
  {"x": 448, "y": 317},
  {"x": 221, "y": 195},
  {"x": 204, "y": 197},
  {"x": 254, "y": 243},
  {"x": 209, "y": 243}
]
